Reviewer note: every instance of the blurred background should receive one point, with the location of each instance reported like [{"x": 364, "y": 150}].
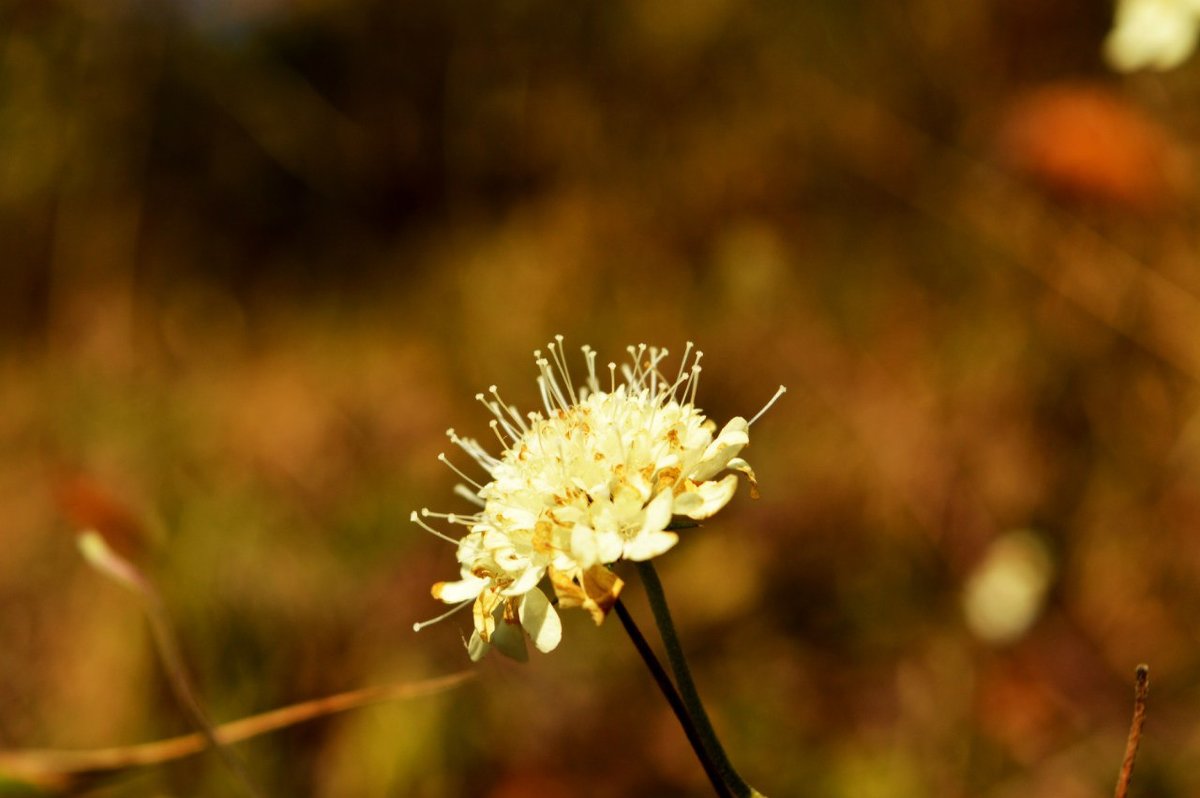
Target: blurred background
[{"x": 256, "y": 256}]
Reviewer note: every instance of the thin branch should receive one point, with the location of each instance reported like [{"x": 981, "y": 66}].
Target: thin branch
[
  {"x": 1141, "y": 690},
  {"x": 100, "y": 556},
  {"x": 64, "y": 770}
]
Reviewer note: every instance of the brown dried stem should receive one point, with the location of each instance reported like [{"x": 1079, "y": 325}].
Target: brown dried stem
[{"x": 1141, "y": 690}]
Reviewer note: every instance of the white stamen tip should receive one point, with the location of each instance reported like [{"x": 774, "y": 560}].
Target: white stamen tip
[
  {"x": 422, "y": 624},
  {"x": 780, "y": 392}
]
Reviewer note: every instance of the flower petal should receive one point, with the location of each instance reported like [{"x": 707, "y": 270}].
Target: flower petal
[
  {"x": 524, "y": 582},
  {"x": 584, "y": 547},
  {"x": 650, "y": 544},
  {"x": 455, "y": 592},
  {"x": 609, "y": 546},
  {"x": 734, "y": 436},
  {"x": 714, "y": 496},
  {"x": 688, "y": 501},
  {"x": 540, "y": 621},
  {"x": 658, "y": 513}
]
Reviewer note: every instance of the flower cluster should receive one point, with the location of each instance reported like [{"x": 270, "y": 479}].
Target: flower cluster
[{"x": 599, "y": 476}]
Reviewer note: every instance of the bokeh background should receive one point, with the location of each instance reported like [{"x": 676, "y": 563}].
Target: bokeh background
[{"x": 256, "y": 256}]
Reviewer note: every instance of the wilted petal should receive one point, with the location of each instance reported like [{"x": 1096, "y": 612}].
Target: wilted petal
[
  {"x": 595, "y": 590},
  {"x": 509, "y": 640},
  {"x": 477, "y": 648},
  {"x": 602, "y": 587},
  {"x": 570, "y": 593},
  {"x": 714, "y": 496},
  {"x": 484, "y": 613},
  {"x": 540, "y": 620},
  {"x": 738, "y": 464}
]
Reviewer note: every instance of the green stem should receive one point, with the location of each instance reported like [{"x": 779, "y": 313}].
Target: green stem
[
  {"x": 687, "y": 687},
  {"x": 672, "y": 696}
]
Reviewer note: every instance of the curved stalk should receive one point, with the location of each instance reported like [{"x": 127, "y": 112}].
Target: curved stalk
[
  {"x": 672, "y": 695},
  {"x": 687, "y": 687}
]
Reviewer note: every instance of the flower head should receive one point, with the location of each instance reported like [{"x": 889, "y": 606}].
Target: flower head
[{"x": 597, "y": 477}]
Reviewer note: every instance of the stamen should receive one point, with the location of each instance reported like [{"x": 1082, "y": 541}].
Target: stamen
[
  {"x": 656, "y": 357},
  {"x": 494, "y": 408},
  {"x": 679, "y": 377},
  {"x": 463, "y": 491},
  {"x": 421, "y": 625},
  {"x": 541, "y": 383},
  {"x": 589, "y": 355},
  {"x": 472, "y": 448},
  {"x": 634, "y": 375},
  {"x": 452, "y": 518},
  {"x": 560, "y": 360},
  {"x": 442, "y": 456},
  {"x": 782, "y": 390},
  {"x": 612, "y": 377},
  {"x": 512, "y": 410},
  {"x": 630, "y": 375},
  {"x": 535, "y": 439},
  {"x": 512, "y": 431},
  {"x": 552, "y": 386},
  {"x": 495, "y": 427},
  {"x": 416, "y": 519}
]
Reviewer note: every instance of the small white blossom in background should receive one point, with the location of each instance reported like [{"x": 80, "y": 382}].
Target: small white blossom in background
[
  {"x": 1152, "y": 34},
  {"x": 596, "y": 477},
  {"x": 1007, "y": 590}
]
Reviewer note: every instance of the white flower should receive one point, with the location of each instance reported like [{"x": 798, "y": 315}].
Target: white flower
[
  {"x": 1155, "y": 34},
  {"x": 595, "y": 478}
]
